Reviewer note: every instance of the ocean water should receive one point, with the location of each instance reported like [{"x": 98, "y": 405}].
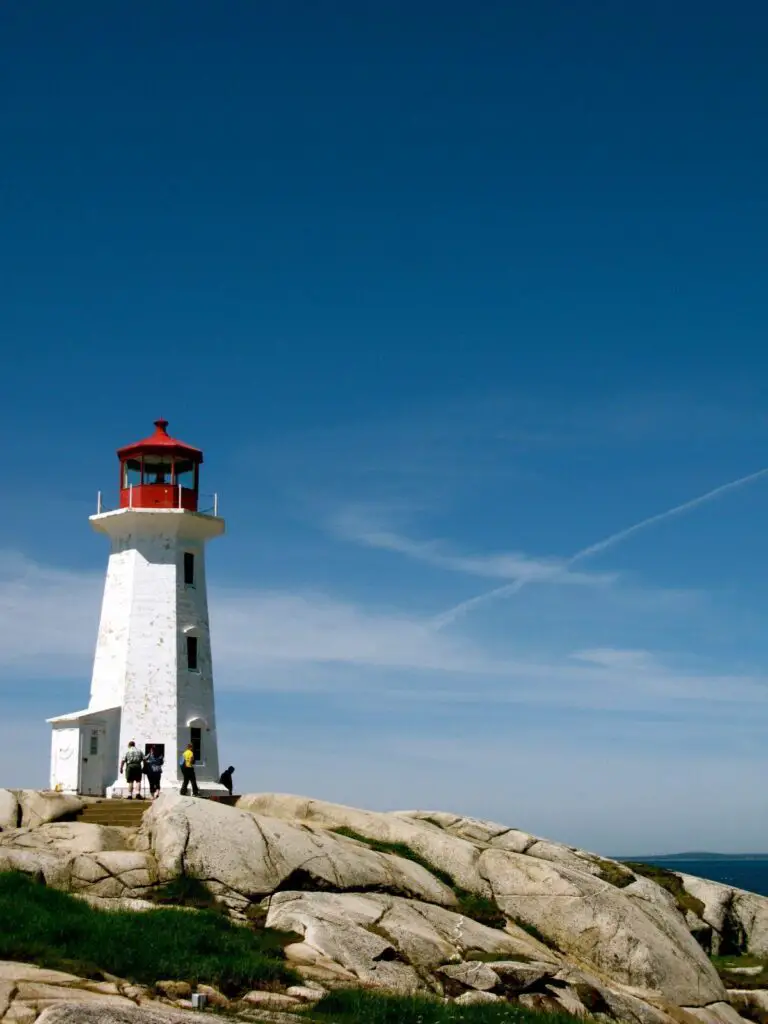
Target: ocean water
[{"x": 744, "y": 874}]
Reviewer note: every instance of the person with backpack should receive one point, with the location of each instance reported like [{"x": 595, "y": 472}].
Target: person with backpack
[
  {"x": 153, "y": 767},
  {"x": 187, "y": 765},
  {"x": 132, "y": 762}
]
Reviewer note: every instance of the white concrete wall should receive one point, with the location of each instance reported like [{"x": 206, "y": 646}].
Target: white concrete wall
[
  {"x": 108, "y": 679},
  {"x": 65, "y": 757},
  {"x": 196, "y": 703},
  {"x": 111, "y": 748},
  {"x": 147, "y": 613}
]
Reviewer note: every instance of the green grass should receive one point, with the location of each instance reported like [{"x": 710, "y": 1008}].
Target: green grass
[
  {"x": 56, "y": 930},
  {"x": 669, "y": 881},
  {"x": 185, "y": 891},
  {"x": 355, "y": 1006},
  {"x": 532, "y": 930},
  {"x": 723, "y": 965},
  {"x": 615, "y": 874},
  {"x": 399, "y": 850},
  {"x": 489, "y": 958},
  {"x": 478, "y": 908}
]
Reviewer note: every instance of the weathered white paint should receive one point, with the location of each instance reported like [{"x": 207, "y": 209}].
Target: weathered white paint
[
  {"x": 65, "y": 758},
  {"x": 140, "y": 665},
  {"x": 84, "y": 749}
]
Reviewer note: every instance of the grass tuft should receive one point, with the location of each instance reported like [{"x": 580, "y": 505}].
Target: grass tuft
[
  {"x": 613, "y": 873},
  {"x": 56, "y": 930},
  {"x": 532, "y": 930},
  {"x": 489, "y": 958},
  {"x": 668, "y": 880},
  {"x": 733, "y": 979},
  {"x": 185, "y": 891},
  {"x": 482, "y": 909},
  {"x": 399, "y": 850},
  {"x": 352, "y": 1006}
]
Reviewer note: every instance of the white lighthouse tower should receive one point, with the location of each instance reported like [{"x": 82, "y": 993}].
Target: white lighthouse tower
[{"x": 152, "y": 673}]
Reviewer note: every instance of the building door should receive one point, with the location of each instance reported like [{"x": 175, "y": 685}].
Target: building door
[
  {"x": 92, "y": 760},
  {"x": 65, "y": 759}
]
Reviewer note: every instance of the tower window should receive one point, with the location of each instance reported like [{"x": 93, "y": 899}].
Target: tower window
[
  {"x": 196, "y": 739},
  {"x": 189, "y": 569},
  {"x": 192, "y": 653}
]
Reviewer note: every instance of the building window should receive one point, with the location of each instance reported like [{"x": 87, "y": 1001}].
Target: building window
[
  {"x": 132, "y": 473},
  {"x": 189, "y": 569},
  {"x": 184, "y": 474},
  {"x": 192, "y": 653},
  {"x": 196, "y": 739},
  {"x": 94, "y": 747},
  {"x": 157, "y": 470}
]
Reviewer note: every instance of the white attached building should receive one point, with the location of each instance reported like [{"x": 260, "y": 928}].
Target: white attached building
[{"x": 152, "y": 673}]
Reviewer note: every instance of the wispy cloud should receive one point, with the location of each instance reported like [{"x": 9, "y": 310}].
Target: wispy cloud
[
  {"x": 451, "y": 614},
  {"x": 49, "y": 618},
  {"x": 287, "y": 640},
  {"x": 366, "y": 526},
  {"x": 610, "y": 657},
  {"x": 274, "y": 627}
]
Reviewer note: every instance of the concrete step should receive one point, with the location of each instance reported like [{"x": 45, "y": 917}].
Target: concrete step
[{"x": 127, "y": 813}]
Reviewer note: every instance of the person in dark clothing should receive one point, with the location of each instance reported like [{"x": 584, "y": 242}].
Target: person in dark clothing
[
  {"x": 188, "y": 771},
  {"x": 153, "y": 767},
  {"x": 226, "y": 779}
]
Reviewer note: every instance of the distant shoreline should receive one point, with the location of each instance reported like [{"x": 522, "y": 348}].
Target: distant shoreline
[{"x": 698, "y": 855}]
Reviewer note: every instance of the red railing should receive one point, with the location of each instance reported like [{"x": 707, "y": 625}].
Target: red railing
[{"x": 149, "y": 496}]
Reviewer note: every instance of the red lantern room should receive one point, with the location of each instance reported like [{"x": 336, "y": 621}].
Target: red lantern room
[{"x": 159, "y": 472}]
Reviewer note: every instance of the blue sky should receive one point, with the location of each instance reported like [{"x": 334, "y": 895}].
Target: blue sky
[{"x": 447, "y": 293}]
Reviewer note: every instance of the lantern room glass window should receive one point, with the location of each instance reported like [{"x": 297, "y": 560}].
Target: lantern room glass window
[
  {"x": 185, "y": 473},
  {"x": 157, "y": 470},
  {"x": 132, "y": 473}
]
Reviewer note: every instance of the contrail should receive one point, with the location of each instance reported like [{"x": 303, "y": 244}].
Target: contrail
[{"x": 452, "y": 614}]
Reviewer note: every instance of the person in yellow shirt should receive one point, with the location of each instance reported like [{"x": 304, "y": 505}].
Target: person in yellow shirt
[{"x": 188, "y": 771}]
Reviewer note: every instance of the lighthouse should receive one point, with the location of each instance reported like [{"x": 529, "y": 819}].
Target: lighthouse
[{"x": 152, "y": 679}]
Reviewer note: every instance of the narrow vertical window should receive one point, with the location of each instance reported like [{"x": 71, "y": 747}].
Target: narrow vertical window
[
  {"x": 192, "y": 653},
  {"x": 196, "y": 739},
  {"x": 189, "y": 569}
]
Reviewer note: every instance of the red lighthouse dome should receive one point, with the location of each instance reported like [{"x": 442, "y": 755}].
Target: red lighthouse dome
[{"x": 159, "y": 472}]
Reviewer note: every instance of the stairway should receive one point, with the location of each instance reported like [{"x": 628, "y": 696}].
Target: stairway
[{"x": 127, "y": 813}]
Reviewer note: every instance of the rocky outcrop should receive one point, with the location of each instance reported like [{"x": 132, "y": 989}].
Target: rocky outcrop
[
  {"x": 738, "y": 919},
  {"x": 67, "y": 838},
  {"x": 619, "y": 935},
  {"x": 750, "y": 1003},
  {"x": 78, "y": 857},
  {"x": 414, "y": 901},
  {"x": 10, "y": 816},
  {"x": 26, "y": 990},
  {"x": 625, "y": 937},
  {"x": 455, "y": 856},
  {"x": 32, "y": 807},
  {"x": 107, "y": 1012},
  {"x": 29, "y": 993},
  {"x": 38, "y": 808},
  {"x": 390, "y": 941},
  {"x": 244, "y": 856}
]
